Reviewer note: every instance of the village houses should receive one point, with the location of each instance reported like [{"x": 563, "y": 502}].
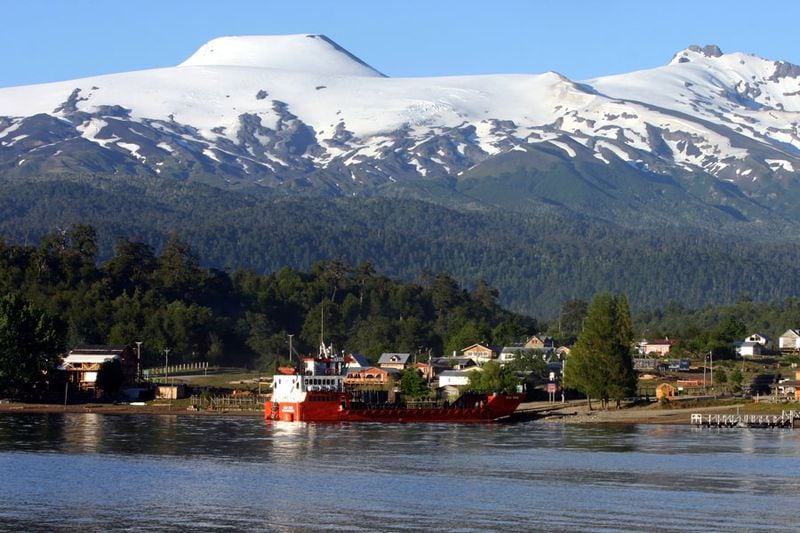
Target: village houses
[
  {"x": 397, "y": 361},
  {"x": 481, "y": 353},
  {"x": 789, "y": 342},
  {"x": 83, "y": 362}
]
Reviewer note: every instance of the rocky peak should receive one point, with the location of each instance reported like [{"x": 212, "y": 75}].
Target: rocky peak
[{"x": 694, "y": 50}]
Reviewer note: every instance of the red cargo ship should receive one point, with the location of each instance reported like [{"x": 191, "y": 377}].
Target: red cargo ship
[{"x": 318, "y": 394}]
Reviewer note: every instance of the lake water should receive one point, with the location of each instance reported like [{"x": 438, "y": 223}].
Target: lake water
[{"x": 89, "y": 472}]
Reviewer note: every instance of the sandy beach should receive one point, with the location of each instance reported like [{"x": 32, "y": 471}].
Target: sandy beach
[{"x": 579, "y": 413}]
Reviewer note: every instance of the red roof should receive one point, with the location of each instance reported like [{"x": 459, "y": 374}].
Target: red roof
[
  {"x": 286, "y": 370},
  {"x": 670, "y": 342}
]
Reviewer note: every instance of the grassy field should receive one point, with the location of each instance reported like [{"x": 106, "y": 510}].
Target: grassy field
[{"x": 226, "y": 378}]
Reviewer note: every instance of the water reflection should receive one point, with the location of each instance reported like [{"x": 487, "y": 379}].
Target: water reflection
[{"x": 173, "y": 472}]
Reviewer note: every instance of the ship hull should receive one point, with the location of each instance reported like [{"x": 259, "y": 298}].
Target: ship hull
[{"x": 336, "y": 407}]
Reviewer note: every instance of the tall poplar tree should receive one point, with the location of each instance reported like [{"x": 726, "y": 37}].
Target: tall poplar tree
[{"x": 601, "y": 363}]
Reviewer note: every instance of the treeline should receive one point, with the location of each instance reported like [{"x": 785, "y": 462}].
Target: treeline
[
  {"x": 716, "y": 328},
  {"x": 697, "y": 331},
  {"x": 168, "y": 300},
  {"x": 535, "y": 260}
]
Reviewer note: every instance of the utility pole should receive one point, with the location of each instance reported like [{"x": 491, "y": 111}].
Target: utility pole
[
  {"x": 711, "y": 370},
  {"x": 138, "y": 361},
  {"x": 166, "y": 366},
  {"x": 290, "y": 348},
  {"x": 705, "y": 389}
]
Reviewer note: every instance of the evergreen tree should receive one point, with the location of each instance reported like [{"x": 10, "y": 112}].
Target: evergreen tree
[
  {"x": 30, "y": 342},
  {"x": 601, "y": 364}
]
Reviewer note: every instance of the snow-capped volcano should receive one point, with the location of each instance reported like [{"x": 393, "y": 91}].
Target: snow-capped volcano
[
  {"x": 314, "y": 54},
  {"x": 299, "y": 111}
]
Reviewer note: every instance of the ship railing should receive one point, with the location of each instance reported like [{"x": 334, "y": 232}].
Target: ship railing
[
  {"x": 406, "y": 405},
  {"x": 229, "y": 403},
  {"x": 425, "y": 404}
]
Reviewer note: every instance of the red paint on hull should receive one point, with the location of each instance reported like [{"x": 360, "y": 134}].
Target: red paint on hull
[{"x": 336, "y": 407}]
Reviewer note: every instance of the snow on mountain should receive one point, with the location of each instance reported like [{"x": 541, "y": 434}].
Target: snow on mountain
[
  {"x": 268, "y": 109},
  {"x": 314, "y": 54}
]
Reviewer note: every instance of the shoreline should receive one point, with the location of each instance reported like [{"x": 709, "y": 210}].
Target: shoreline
[
  {"x": 542, "y": 412},
  {"x": 122, "y": 409},
  {"x": 579, "y": 413}
]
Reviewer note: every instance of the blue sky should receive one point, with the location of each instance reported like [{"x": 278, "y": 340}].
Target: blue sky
[{"x": 46, "y": 40}]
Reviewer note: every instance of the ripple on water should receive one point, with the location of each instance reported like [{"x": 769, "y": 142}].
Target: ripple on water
[{"x": 175, "y": 472}]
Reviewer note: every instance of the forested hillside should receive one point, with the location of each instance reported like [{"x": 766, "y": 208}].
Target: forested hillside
[
  {"x": 169, "y": 301},
  {"x": 537, "y": 261}
]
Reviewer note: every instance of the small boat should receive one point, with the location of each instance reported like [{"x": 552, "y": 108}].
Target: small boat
[{"x": 318, "y": 393}]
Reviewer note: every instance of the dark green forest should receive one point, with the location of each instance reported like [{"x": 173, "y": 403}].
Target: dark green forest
[
  {"x": 536, "y": 260},
  {"x": 57, "y": 294},
  {"x": 168, "y": 300}
]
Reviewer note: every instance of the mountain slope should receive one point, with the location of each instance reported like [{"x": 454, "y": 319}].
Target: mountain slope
[
  {"x": 299, "y": 114},
  {"x": 536, "y": 261},
  {"x": 679, "y": 182}
]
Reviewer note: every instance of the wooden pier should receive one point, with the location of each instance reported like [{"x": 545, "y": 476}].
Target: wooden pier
[{"x": 787, "y": 419}]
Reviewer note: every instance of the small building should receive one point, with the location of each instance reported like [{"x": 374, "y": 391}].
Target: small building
[
  {"x": 481, "y": 353},
  {"x": 645, "y": 363},
  {"x": 760, "y": 338},
  {"x": 425, "y": 370},
  {"x": 790, "y": 341},
  {"x": 398, "y": 361},
  {"x": 165, "y": 391},
  {"x": 440, "y": 364},
  {"x": 790, "y": 388},
  {"x": 451, "y": 382},
  {"x": 356, "y": 360},
  {"x": 540, "y": 342},
  {"x": 83, "y": 362},
  {"x": 659, "y": 346},
  {"x": 509, "y": 353},
  {"x": 455, "y": 378},
  {"x": 665, "y": 390},
  {"x": 747, "y": 348},
  {"x": 371, "y": 376}
]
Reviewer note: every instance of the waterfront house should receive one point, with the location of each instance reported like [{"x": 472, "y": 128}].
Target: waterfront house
[
  {"x": 790, "y": 341},
  {"x": 455, "y": 378},
  {"x": 659, "y": 346},
  {"x": 83, "y": 362},
  {"x": 166, "y": 391},
  {"x": 371, "y": 376},
  {"x": 451, "y": 381},
  {"x": 790, "y": 388},
  {"x": 481, "y": 353},
  {"x": 398, "y": 361}
]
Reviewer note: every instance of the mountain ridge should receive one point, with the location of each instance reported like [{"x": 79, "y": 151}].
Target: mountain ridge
[
  {"x": 526, "y": 179},
  {"x": 266, "y": 108}
]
